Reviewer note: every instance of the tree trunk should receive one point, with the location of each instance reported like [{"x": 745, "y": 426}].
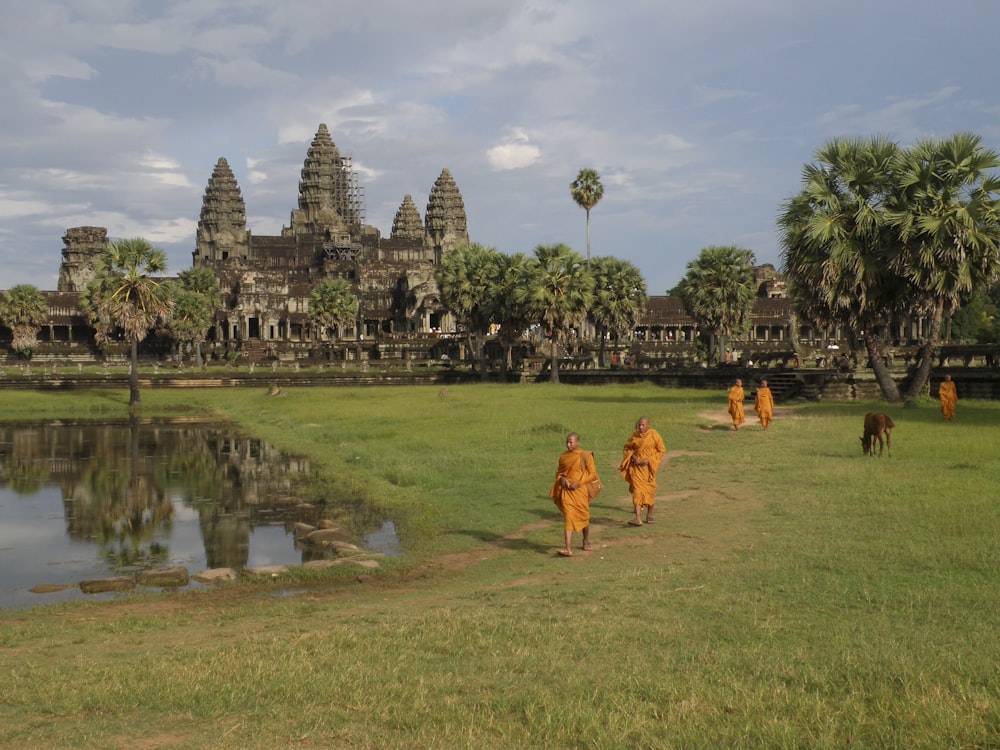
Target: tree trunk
[
  {"x": 882, "y": 375},
  {"x": 133, "y": 379},
  {"x": 554, "y": 375},
  {"x": 926, "y": 353},
  {"x": 482, "y": 357},
  {"x": 600, "y": 355}
]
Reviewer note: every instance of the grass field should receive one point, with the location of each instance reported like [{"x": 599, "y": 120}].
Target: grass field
[{"x": 792, "y": 594}]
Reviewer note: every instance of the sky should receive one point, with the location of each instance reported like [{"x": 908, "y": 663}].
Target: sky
[{"x": 699, "y": 115}]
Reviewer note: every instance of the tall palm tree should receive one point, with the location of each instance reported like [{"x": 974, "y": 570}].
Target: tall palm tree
[
  {"x": 466, "y": 280},
  {"x": 948, "y": 214},
  {"x": 619, "y": 298},
  {"x": 718, "y": 291},
  {"x": 560, "y": 291},
  {"x": 23, "y": 309},
  {"x": 837, "y": 242},
  {"x": 332, "y": 302},
  {"x": 124, "y": 295},
  {"x": 587, "y": 190}
]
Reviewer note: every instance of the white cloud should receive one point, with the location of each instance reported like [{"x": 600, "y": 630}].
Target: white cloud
[{"x": 515, "y": 152}]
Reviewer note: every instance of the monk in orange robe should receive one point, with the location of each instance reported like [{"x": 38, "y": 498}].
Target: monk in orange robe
[
  {"x": 949, "y": 398},
  {"x": 736, "y": 397},
  {"x": 764, "y": 405},
  {"x": 641, "y": 458},
  {"x": 575, "y": 471}
]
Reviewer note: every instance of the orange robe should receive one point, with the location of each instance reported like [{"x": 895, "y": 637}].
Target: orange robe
[
  {"x": 576, "y": 466},
  {"x": 949, "y": 398},
  {"x": 764, "y": 406},
  {"x": 736, "y": 397},
  {"x": 642, "y": 479}
]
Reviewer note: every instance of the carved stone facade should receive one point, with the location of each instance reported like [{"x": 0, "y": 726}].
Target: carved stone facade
[{"x": 267, "y": 280}]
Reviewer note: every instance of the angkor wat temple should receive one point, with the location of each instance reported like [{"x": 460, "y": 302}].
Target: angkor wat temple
[{"x": 266, "y": 282}]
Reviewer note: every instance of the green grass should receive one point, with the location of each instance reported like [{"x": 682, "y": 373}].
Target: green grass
[{"x": 791, "y": 594}]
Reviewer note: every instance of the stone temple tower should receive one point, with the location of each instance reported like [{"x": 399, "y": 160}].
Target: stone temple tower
[
  {"x": 83, "y": 248},
  {"x": 445, "y": 224},
  {"x": 330, "y": 201},
  {"x": 407, "y": 225},
  {"x": 222, "y": 228}
]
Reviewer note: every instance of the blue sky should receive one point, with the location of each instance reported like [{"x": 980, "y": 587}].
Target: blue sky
[{"x": 699, "y": 115}]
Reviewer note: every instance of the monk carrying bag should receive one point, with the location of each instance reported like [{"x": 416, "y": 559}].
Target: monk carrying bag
[{"x": 594, "y": 488}]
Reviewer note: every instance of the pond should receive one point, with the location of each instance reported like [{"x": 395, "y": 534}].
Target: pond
[{"x": 88, "y": 500}]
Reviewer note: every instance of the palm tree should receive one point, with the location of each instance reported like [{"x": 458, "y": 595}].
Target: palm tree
[
  {"x": 718, "y": 291},
  {"x": 587, "y": 190},
  {"x": 511, "y": 313},
  {"x": 619, "y": 298},
  {"x": 837, "y": 242},
  {"x": 189, "y": 320},
  {"x": 466, "y": 281},
  {"x": 23, "y": 309},
  {"x": 560, "y": 291},
  {"x": 195, "y": 301},
  {"x": 948, "y": 216},
  {"x": 123, "y": 295},
  {"x": 332, "y": 303}
]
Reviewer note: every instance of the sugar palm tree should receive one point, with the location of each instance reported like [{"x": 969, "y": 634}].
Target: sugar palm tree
[
  {"x": 332, "y": 302},
  {"x": 718, "y": 291},
  {"x": 23, "y": 309},
  {"x": 587, "y": 190},
  {"x": 511, "y": 313},
  {"x": 619, "y": 298},
  {"x": 196, "y": 298},
  {"x": 124, "y": 295},
  {"x": 947, "y": 211},
  {"x": 466, "y": 281},
  {"x": 560, "y": 291},
  {"x": 837, "y": 242}
]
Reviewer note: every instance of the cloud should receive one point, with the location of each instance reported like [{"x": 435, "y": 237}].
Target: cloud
[{"x": 515, "y": 152}]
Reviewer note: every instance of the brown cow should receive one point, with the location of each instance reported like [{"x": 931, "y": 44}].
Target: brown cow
[{"x": 875, "y": 426}]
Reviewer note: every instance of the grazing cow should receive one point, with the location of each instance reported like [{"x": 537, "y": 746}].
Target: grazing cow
[{"x": 875, "y": 426}]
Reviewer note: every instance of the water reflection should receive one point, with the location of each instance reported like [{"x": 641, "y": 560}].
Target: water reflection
[{"x": 82, "y": 500}]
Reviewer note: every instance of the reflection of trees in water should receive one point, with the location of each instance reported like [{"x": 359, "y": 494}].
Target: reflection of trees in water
[
  {"x": 119, "y": 482},
  {"x": 22, "y": 461}
]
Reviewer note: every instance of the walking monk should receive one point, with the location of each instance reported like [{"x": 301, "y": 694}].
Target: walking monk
[
  {"x": 949, "y": 398},
  {"x": 736, "y": 397},
  {"x": 576, "y": 469},
  {"x": 764, "y": 405},
  {"x": 640, "y": 461}
]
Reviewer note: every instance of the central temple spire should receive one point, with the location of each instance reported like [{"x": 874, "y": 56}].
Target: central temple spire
[{"x": 330, "y": 201}]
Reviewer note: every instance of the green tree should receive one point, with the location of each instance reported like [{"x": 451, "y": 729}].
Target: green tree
[
  {"x": 196, "y": 298},
  {"x": 947, "y": 212},
  {"x": 510, "y": 311},
  {"x": 718, "y": 291},
  {"x": 837, "y": 241},
  {"x": 977, "y": 321},
  {"x": 466, "y": 281},
  {"x": 23, "y": 309},
  {"x": 332, "y": 303},
  {"x": 124, "y": 295},
  {"x": 619, "y": 298},
  {"x": 587, "y": 190},
  {"x": 560, "y": 291}
]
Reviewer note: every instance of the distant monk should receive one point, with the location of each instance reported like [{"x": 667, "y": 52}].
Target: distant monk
[
  {"x": 949, "y": 398},
  {"x": 764, "y": 405},
  {"x": 736, "y": 397}
]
